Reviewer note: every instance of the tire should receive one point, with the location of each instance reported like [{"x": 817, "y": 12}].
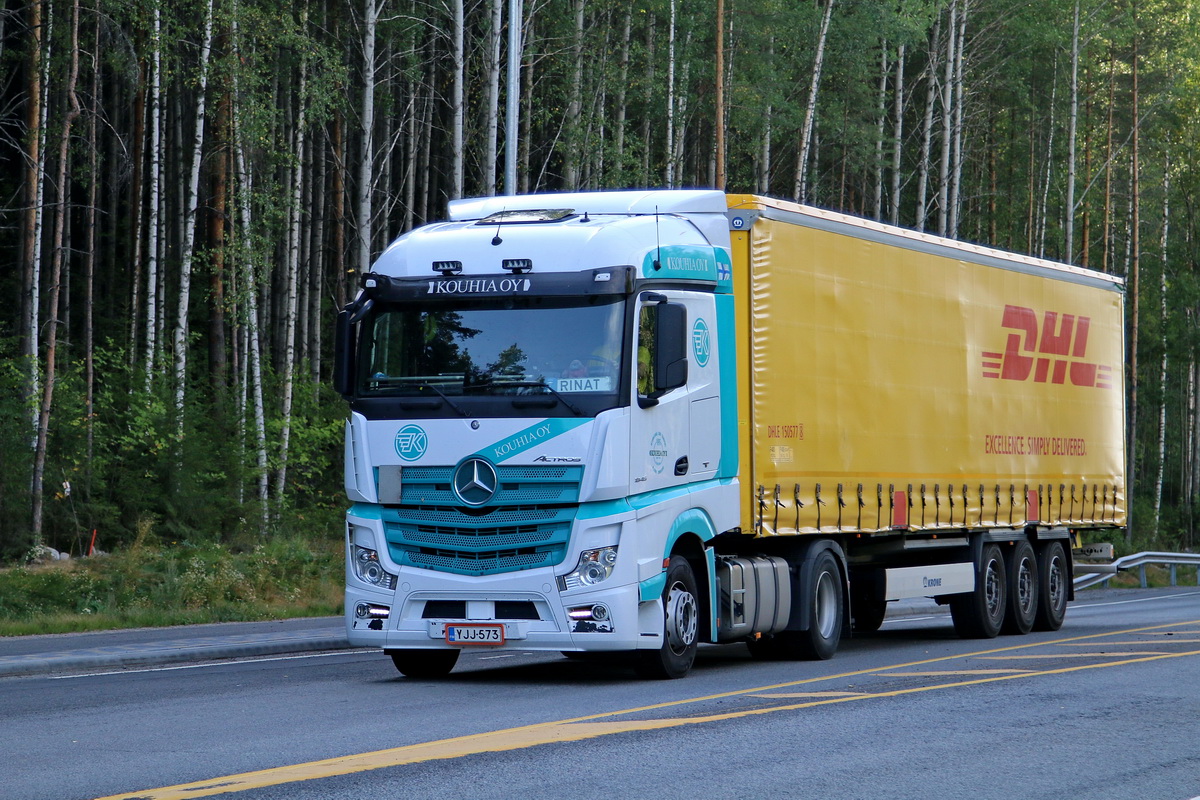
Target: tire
[
  {"x": 681, "y": 626},
  {"x": 1052, "y": 587},
  {"x": 820, "y": 641},
  {"x": 424, "y": 663},
  {"x": 867, "y": 610},
  {"x": 980, "y": 614},
  {"x": 1021, "y": 566}
]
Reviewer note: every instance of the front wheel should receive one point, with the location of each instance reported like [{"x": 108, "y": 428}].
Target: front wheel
[
  {"x": 681, "y": 626},
  {"x": 424, "y": 663}
]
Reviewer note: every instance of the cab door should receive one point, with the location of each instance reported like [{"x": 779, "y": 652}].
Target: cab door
[{"x": 675, "y": 426}]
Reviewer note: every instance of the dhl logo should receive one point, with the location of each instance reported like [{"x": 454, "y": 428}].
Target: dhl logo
[{"x": 1050, "y": 357}]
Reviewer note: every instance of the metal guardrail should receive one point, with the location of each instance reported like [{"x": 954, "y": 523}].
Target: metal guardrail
[{"x": 1139, "y": 561}]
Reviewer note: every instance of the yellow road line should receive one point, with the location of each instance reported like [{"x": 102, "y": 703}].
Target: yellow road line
[
  {"x": 588, "y": 727},
  {"x": 1110, "y": 654},
  {"x": 1141, "y": 643},
  {"x": 944, "y": 673},
  {"x": 790, "y": 695}
]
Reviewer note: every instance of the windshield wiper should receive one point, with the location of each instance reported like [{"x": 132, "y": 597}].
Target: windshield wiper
[
  {"x": 540, "y": 385},
  {"x": 442, "y": 395}
]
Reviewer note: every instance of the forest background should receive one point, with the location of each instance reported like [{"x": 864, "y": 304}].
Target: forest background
[{"x": 190, "y": 190}]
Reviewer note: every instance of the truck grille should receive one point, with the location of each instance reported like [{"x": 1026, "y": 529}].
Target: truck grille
[{"x": 526, "y": 525}]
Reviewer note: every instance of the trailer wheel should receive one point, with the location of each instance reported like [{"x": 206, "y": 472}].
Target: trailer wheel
[
  {"x": 980, "y": 614},
  {"x": 1021, "y": 566},
  {"x": 424, "y": 663},
  {"x": 867, "y": 608},
  {"x": 1052, "y": 587},
  {"x": 681, "y": 611}
]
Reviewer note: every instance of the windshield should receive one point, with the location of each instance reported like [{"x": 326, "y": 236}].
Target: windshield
[{"x": 567, "y": 350}]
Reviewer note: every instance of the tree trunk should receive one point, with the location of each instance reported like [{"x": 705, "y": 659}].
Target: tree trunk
[
  {"x": 56, "y": 278},
  {"x": 34, "y": 185},
  {"x": 493, "y": 99},
  {"x": 1162, "y": 372},
  {"x": 1071, "y": 126},
  {"x": 897, "y": 137},
  {"x": 250, "y": 287},
  {"x": 154, "y": 227},
  {"x": 623, "y": 85},
  {"x": 719, "y": 184},
  {"x": 669, "y": 176},
  {"x": 1105, "y": 263},
  {"x": 800, "y": 188},
  {"x": 1134, "y": 282},
  {"x": 943, "y": 218},
  {"x": 456, "y": 143},
  {"x": 573, "y": 122},
  {"x": 218, "y": 213},
  {"x": 880, "y": 118},
  {"x": 366, "y": 166},
  {"x": 922, "y": 215},
  {"x": 292, "y": 291},
  {"x": 193, "y": 205},
  {"x": 956, "y": 155}
]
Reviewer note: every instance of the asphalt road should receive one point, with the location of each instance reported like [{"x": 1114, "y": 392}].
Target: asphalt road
[{"x": 1107, "y": 707}]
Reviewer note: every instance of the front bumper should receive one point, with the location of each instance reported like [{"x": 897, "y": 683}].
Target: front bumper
[{"x": 533, "y": 613}]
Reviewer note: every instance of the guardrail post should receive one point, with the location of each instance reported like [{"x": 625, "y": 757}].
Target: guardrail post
[
  {"x": 1142, "y": 573},
  {"x": 1172, "y": 574}
]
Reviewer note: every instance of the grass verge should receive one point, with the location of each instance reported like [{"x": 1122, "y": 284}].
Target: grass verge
[{"x": 177, "y": 584}]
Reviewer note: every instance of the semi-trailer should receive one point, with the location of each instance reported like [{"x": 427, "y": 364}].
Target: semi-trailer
[{"x": 640, "y": 421}]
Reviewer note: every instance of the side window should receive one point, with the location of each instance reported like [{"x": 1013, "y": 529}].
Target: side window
[{"x": 645, "y": 351}]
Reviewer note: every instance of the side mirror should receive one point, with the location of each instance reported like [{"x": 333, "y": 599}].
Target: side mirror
[
  {"x": 670, "y": 352},
  {"x": 343, "y": 354}
]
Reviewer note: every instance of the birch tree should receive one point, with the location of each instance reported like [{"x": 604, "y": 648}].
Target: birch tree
[
  {"x": 457, "y": 111},
  {"x": 154, "y": 232},
  {"x": 366, "y": 160},
  {"x": 800, "y": 188},
  {"x": 193, "y": 205},
  {"x": 56, "y": 277},
  {"x": 292, "y": 282}
]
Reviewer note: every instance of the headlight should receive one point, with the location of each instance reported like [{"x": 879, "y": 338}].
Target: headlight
[
  {"x": 594, "y": 566},
  {"x": 369, "y": 570}
]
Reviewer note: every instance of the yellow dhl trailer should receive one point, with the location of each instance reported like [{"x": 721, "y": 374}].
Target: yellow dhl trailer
[{"x": 639, "y": 421}]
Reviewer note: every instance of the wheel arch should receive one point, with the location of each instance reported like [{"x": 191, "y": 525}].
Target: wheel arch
[
  {"x": 688, "y": 537},
  {"x": 804, "y": 559}
]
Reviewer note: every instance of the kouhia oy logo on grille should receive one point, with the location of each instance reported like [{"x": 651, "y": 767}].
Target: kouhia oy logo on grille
[
  {"x": 411, "y": 442},
  {"x": 475, "y": 481}
]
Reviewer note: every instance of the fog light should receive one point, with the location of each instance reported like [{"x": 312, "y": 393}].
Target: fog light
[
  {"x": 599, "y": 612},
  {"x": 371, "y": 611}
]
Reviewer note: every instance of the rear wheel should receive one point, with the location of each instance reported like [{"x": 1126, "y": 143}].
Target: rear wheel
[
  {"x": 980, "y": 614},
  {"x": 824, "y": 632},
  {"x": 1052, "y": 587},
  {"x": 681, "y": 634},
  {"x": 1021, "y": 566},
  {"x": 424, "y": 663}
]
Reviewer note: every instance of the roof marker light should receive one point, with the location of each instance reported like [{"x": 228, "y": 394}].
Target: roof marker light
[
  {"x": 448, "y": 267},
  {"x": 518, "y": 265}
]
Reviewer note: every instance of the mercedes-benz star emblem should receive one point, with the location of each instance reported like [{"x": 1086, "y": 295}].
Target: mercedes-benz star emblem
[{"x": 475, "y": 481}]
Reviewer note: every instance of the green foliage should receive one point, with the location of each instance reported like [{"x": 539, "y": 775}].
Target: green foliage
[
  {"x": 168, "y": 583},
  {"x": 124, "y": 461}
]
